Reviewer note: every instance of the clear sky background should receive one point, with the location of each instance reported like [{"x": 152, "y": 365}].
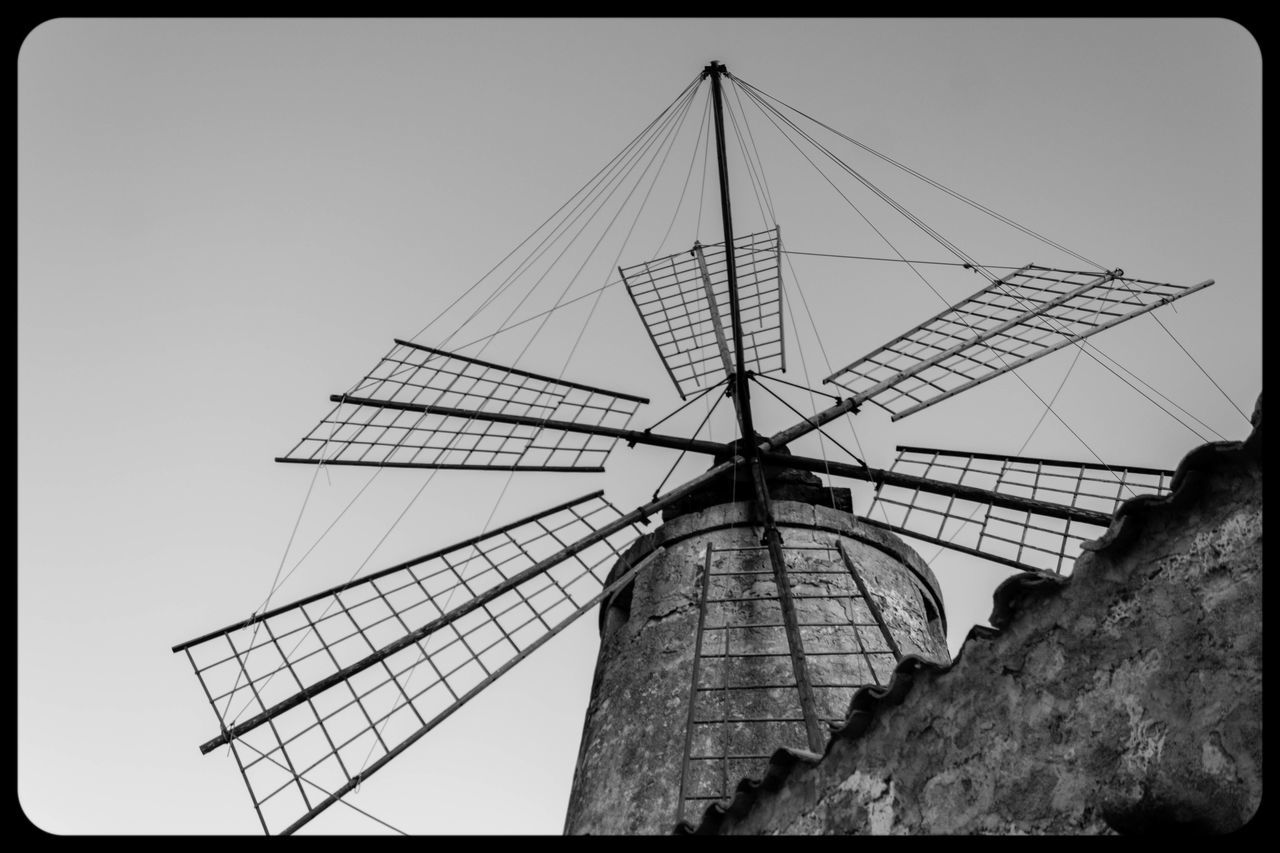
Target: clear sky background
[{"x": 223, "y": 222}]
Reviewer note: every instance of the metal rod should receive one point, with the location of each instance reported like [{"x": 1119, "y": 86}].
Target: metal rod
[
  {"x": 741, "y": 393},
  {"x": 365, "y": 463},
  {"x": 484, "y": 598},
  {"x": 939, "y": 487},
  {"x": 502, "y": 670},
  {"x": 633, "y": 398},
  {"x": 631, "y": 435}
]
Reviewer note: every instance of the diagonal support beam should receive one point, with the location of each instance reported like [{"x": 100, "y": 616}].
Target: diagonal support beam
[
  {"x": 722, "y": 343},
  {"x": 940, "y": 487},
  {"x": 977, "y": 339},
  {"x": 633, "y": 436}
]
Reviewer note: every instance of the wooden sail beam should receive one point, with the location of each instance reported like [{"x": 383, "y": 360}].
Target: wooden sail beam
[
  {"x": 939, "y": 487},
  {"x": 632, "y": 436},
  {"x": 721, "y": 343}
]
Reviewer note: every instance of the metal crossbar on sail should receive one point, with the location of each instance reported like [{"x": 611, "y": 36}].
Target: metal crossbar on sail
[
  {"x": 679, "y": 296},
  {"x": 1025, "y": 315},
  {"x": 426, "y": 408},
  {"x": 1022, "y": 538},
  {"x": 314, "y": 696}
]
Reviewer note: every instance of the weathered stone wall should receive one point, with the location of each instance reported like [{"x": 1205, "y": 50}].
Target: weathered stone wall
[
  {"x": 630, "y": 763},
  {"x": 1125, "y": 699}
]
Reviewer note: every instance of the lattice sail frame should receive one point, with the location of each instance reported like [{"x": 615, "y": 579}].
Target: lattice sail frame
[
  {"x": 305, "y": 757},
  {"x": 1025, "y": 315},
  {"x": 670, "y": 296},
  {"x": 1022, "y": 539},
  {"x": 366, "y": 428}
]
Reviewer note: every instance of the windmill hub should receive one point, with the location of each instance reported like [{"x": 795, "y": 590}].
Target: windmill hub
[{"x": 784, "y": 483}]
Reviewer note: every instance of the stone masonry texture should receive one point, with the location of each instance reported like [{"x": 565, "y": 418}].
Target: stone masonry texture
[
  {"x": 630, "y": 765},
  {"x": 1125, "y": 699}
]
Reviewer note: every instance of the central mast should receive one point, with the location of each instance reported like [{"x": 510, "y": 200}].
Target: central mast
[
  {"x": 742, "y": 402},
  {"x": 741, "y": 394}
]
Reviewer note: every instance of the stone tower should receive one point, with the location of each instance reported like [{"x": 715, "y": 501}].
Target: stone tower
[{"x": 695, "y": 687}]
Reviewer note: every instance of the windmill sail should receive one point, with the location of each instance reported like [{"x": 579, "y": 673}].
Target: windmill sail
[
  {"x": 1036, "y": 538},
  {"x": 314, "y": 696},
  {"x": 1025, "y": 315},
  {"x": 681, "y": 296},
  {"x": 426, "y": 408}
]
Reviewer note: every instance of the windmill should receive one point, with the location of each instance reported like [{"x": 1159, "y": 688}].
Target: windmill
[{"x": 306, "y": 691}]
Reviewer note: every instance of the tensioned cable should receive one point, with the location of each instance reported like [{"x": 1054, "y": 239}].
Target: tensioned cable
[
  {"x": 685, "y": 449},
  {"x": 752, "y": 168},
  {"x": 322, "y": 790},
  {"x": 693, "y": 158},
  {"x": 920, "y": 276},
  {"x": 419, "y": 492},
  {"x": 804, "y": 369},
  {"x": 791, "y": 313},
  {"x": 1202, "y": 370},
  {"x": 936, "y": 184},
  {"x": 855, "y": 207},
  {"x": 769, "y": 112},
  {"x": 900, "y": 260},
  {"x": 756, "y": 151},
  {"x": 590, "y": 293},
  {"x": 971, "y": 262},
  {"x": 276, "y": 581},
  {"x": 665, "y": 149},
  {"x": 1021, "y": 448},
  {"x": 664, "y": 125},
  {"x": 808, "y": 420},
  {"x": 796, "y": 384},
  {"x": 704, "y": 392},
  {"x": 702, "y": 183},
  {"x": 687, "y": 96},
  {"x": 507, "y": 326},
  {"x": 693, "y": 84},
  {"x": 751, "y": 171},
  {"x": 883, "y": 196}
]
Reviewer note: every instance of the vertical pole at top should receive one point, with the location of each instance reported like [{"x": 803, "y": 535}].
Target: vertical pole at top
[
  {"x": 741, "y": 397},
  {"x": 741, "y": 392}
]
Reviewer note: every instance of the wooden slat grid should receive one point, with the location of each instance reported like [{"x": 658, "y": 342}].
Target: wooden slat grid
[
  {"x": 669, "y": 295},
  {"x": 356, "y": 434},
  {"x": 1025, "y": 539},
  {"x": 291, "y": 763},
  {"x": 1023, "y": 316}
]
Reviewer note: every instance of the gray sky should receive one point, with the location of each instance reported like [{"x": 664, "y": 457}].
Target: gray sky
[{"x": 223, "y": 222}]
